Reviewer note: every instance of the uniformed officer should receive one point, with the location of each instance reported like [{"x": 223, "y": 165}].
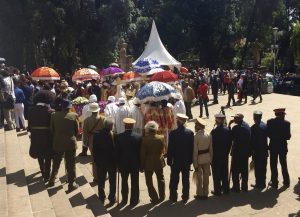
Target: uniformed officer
[
  {"x": 180, "y": 158},
  {"x": 128, "y": 146},
  {"x": 221, "y": 143},
  {"x": 240, "y": 152},
  {"x": 259, "y": 150},
  {"x": 64, "y": 127},
  {"x": 202, "y": 158},
  {"x": 279, "y": 132}
]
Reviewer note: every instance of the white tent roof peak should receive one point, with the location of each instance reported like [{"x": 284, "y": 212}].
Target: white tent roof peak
[{"x": 156, "y": 50}]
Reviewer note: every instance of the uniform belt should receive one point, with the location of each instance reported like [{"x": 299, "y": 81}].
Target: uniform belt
[
  {"x": 203, "y": 151},
  {"x": 40, "y": 128}
]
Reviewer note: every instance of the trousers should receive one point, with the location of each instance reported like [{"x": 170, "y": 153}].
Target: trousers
[
  {"x": 70, "y": 165},
  {"x": 260, "y": 169},
  {"x": 203, "y": 102},
  {"x": 239, "y": 168},
  {"x": 135, "y": 191},
  {"x": 160, "y": 182},
  {"x": 274, "y": 172},
  {"x": 7, "y": 113},
  {"x": 220, "y": 176},
  {"x": 102, "y": 172},
  {"x": 19, "y": 114},
  {"x": 45, "y": 167},
  {"x": 174, "y": 180},
  {"x": 188, "y": 107},
  {"x": 203, "y": 174}
]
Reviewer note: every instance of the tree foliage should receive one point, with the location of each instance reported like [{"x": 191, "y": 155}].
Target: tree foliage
[{"x": 221, "y": 33}]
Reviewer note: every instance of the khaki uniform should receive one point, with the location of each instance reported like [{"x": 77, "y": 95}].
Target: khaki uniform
[
  {"x": 152, "y": 161},
  {"x": 64, "y": 128},
  {"x": 202, "y": 158},
  {"x": 91, "y": 125}
]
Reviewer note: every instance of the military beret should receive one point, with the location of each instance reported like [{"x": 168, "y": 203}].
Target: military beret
[
  {"x": 279, "y": 110},
  {"x": 221, "y": 116}
]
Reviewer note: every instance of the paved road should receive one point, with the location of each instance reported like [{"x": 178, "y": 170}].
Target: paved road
[{"x": 281, "y": 202}]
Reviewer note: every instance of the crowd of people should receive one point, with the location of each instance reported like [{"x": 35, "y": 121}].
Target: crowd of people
[{"x": 130, "y": 137}]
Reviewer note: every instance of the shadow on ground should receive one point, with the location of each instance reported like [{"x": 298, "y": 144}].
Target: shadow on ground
[{"x": 215, "y": 205}]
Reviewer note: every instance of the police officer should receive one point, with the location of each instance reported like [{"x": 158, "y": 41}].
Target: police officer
[
  {"x": 180, "y": 157},
  {"x": 279, "y": 132},
  {"x": 259, "y": 150},
  {"x": 240, "y": 152},
  {"x": 221, "y": 143},
  {"x": 128, "y": 146}
]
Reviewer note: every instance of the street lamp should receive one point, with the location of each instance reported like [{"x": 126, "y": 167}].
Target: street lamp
[{"x": 275, "y": 47}]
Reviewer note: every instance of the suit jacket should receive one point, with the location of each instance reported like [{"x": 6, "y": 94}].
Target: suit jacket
[
  {"x": 104, "y": 151},
  {"x": 279, "y": 131},
  {"x": 39, "y": 118},
  {"x": 91, "y": 125},
  {"x": 221, "y": 143},
  {"x": 152, "y": 151},
  {"x": 188, "y": 94},
  {"x": 259, "y": 139},
  {"x": 128, "y": 151},
  {"x": 180, "y": 148},
  {"x": 64, "y": 127},
  {"x": 241, "y": 135}
]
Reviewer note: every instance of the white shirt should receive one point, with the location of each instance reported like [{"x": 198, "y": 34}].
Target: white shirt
[
  {"x": 122, "y": 112},
  {"x": 85, "y": 112},
  {"x": 179, "y": 107},
  {"x": 111, "y": 110},
  {"x": 138, "y": 116},
  {"x": 9, "y": 86}
]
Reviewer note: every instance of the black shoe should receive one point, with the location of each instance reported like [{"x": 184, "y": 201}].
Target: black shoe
[
  {"x": 197, "y": 197},
  {"x": 155, "y": 202},
  {"x": 235, "y": 190},
  {"x": 111, "y": 202},
  {"x": 123, "y": 203},
  {"x": 133, "y": 204},
  {"x": 286, "y": 185},
  {"x": 50, "y": 184},
  {"x": 215, "y": 193},
  {"x": 185, "y": 200},
  {"x": 273, "y": 185},
  {"x": 18, "y": 129},
  {"x": 204, "y": 198},
  {"x": 173, "y": 200},
  {"x": 245, "y": 189},
  {"x": 82, "y": 154},
  {"x": 72, "y": 186}
]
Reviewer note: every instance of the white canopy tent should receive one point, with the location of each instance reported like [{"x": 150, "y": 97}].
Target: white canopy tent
[{"x": 156, "y": 50}]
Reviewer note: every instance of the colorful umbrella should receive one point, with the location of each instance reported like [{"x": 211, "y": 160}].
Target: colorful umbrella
[
  {"x": 184, "y": 70},
  {"x": 131, "y": 76},
  {"x": 85, "y": 74},
  {"x": 147, "y": 66},
  {"x": 164, "y": 76},
  {"x": 155, "y": 91},
  {"x": 45, "y": 73},
  {"x": 112, "y": 70}
]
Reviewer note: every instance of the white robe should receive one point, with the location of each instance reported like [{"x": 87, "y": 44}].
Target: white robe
[
  {"x": 111, "y": 110},
  {"x": 179, "y": 107},
  {"x": 122, "y": 112},
  {"x": 85, "y": 112},
  {"x": 138, "y": 116}
]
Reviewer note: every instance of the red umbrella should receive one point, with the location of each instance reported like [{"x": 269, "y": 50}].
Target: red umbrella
[
  {"x": 131, "y": 76},
  {"x": 85, "y": 74},
  {"x": 184, "y": 70},
  {"x": 164, "y": 76},
  {"x": 45, "y": 73}
]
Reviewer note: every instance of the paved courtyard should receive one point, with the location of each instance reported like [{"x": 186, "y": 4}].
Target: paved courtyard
[{"x": 281, "y": 202}]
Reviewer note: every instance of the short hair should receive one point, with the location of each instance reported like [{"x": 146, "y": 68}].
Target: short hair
[
  {"x": 151, "y": 127},
  {"x": 108, "y": 123}
]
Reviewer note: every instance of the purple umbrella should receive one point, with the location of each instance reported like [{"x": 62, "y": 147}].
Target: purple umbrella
[{"x": 111, "y": 71}]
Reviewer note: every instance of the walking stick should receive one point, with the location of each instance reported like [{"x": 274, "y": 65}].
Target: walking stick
[{"x": 118, "y": 187}]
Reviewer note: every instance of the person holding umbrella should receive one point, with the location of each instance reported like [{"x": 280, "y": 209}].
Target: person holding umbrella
[{"x": 128, "y": 146}]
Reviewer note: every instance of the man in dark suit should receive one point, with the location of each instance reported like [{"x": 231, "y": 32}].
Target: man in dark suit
[
  {"x": 241, "y": 135},
  {"x": 105, "y": 160},
  {"x": 259, "y": 150},
  {"x": 128, "y": 161},
  {"x": 221, "y": 142},
  {"x": 180, "y": 157},
  {"x": 279, "y": 132}
]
